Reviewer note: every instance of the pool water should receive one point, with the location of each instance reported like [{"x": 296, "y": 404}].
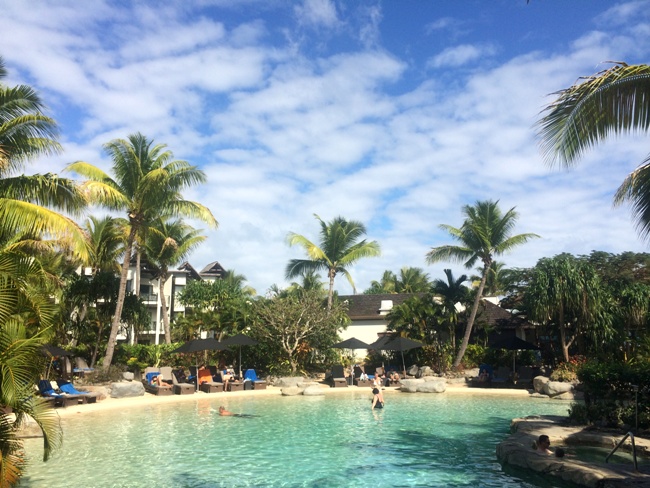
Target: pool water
[{"x": 445, "y": 440}]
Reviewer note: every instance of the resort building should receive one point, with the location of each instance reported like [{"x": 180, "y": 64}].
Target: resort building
[{"x": 149, "y": 289}]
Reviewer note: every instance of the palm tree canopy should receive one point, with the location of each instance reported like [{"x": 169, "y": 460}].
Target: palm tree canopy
[
  {"x": 612, "y": 101},
  {"x": 338, "y": 249},
  {"x": 485, "y": 233}
]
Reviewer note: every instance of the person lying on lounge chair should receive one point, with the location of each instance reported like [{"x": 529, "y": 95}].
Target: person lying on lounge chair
[{"x": 159, "y": 382}]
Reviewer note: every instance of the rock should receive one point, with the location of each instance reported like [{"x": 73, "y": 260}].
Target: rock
[
  {"x": 411, "y": 385},
  {"x": 313, "y": 390},
  {"x": 126, "y": 389},
  {"x": 438, "y": 386},
  {"x": 413, "y": 370},
  {"x": 128, "y": 376},
  {"x": 472, "y": 373},
  {"x": 426, "y": 371},
  {"x": 567, "y": 395},
  {"x": 553, "y": 388},
  {"x": 101, "y": 392},
  {"x": 292, "y": 391},
  {"x": 289, "y": 381},
  {"x": 539, "y": 382},
  {"x": 538, "y": 395}
]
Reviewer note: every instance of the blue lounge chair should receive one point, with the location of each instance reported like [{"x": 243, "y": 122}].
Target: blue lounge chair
[
  {"x": 46, "y": 390},
  {"x": 69, "y": 389},
  {"x": 82, "y": 367},
  {"x": 251, "y": 375}
]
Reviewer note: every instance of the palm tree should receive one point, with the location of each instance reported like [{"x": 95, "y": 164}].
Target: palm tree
[
  {"x": 452, "y": 292},
  {"x": 147, "y": 185},
  {"x": 237, "y": 281},
  {"x": 310, "y": 282},
  {"x": 612, "y": 101},
  {"x": 498, "y": 279},
  {"x": 27, "y": 203},
  {"x": 485, "y": 233},
  {"x": 169, "y": 243},
  {"x": 106, "y": 241},
  {"x": 338, "y": 249},
  {"x": 385, "y": 285},
  {"x": 412, "y": 280}
]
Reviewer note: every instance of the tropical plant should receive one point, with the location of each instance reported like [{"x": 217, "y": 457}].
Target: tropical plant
[
  {"x": 566, "y": 293},
  {"x": 106, "y": 242},
  {"x": 167, "y": 244},
  {"x": 28, "y": 204},
  {"x": 385, "y": 285},
  {"x": 452, "y": 292},
  {"x": 338, "y": 249},
  {"x": 147, "y": 185},
  {"x": 485, "y": 233},
  {"x": 22, "y": 302},
  {"x": 418, "y": 317},
  {"x": 614, "y": 100}
]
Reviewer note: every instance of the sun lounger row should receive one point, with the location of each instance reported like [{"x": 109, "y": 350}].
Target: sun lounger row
[
  {"x": 64, "y": 394},
  {"x": 176, "y": 382}
]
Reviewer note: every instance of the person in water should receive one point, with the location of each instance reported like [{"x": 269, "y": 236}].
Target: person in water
[
  {"x": 542, "y": 445},
  {"x": 225, "y": 413},
  {"x": 377, "y": 398}
]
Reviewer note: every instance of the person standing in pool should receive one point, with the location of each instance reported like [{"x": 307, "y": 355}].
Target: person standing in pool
[{"x": 377, "y": 398}]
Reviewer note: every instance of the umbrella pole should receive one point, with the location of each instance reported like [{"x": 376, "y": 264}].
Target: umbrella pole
[
  {"x": 240, "y": 376},
  {"x": 403, "y": 364}
]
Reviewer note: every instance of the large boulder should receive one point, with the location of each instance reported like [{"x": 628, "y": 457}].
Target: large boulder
[
  {"x": 436, "y": 386},
  {"x": 539, "y": 382},
  {"x": 313, "y": 390},
  {"x": 128, "y": 376},
  {"x": 292, "y": 391},
  {"x": 426, "y": 371},
  {"x": 413, "y": 370},
  {"x": 411, "y": 385},
  {"x": 553, "y": 388},
  {"x": 125, "y": 389}
]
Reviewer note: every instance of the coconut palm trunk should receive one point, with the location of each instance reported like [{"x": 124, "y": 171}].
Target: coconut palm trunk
[
  {"x": 163, "y": 303},
  {"x": 471, "y": 319}
]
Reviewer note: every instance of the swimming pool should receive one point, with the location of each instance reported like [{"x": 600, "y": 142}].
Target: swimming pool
[{"x": 329, "y": 441}]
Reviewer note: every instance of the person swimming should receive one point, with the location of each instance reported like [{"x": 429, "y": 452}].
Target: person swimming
[
  {"x": 377, "y": 398},
  {"x": 225, "y": 413}
]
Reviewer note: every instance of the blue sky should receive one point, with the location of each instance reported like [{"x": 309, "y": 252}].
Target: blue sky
[{"x": 393, "y": 113}]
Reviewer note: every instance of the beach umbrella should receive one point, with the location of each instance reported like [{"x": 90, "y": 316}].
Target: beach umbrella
[
  {"x": 514, "y": 343},
  {"x": 378, "y": 345},
  {"x": 53, "y": 352},
  {"x": 351, "y": 343},
  {"x": 239, "y": 340},
  {"x": 198, "y": 345},
  {"x": 401, "y": 344}
]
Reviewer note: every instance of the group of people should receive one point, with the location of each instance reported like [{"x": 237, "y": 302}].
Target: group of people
[{"x": 227, "y": 374}]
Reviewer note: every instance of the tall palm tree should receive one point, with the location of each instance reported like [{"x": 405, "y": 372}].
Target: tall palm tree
[
  {"x": 610, "y": 102},
  {"x": 238, "y": 281},
  {"x": 485, "y": 233},
  {"x": 28, "y": 204},
  {"x": 385, "y": 285},
  {"x": 452, "y": 292},
  {"x": 498, "y": 279},
  {"x": 147, "y": 185},
  {"x": 106, "y": 241},
  {"x": 339, "y": 248},
  {"x": 169, "y": 243}
]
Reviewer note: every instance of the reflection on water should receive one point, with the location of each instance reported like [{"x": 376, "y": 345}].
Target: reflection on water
[{"x": 335, "y": 440}]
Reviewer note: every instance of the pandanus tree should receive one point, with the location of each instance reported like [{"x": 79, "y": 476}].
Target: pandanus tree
[
  {"x": 168, "y": 243},
  {"x": 338, "y": 249},
  {"x": 610, "y": 102},
  {"x": 147, "y": 184},
  {"x": 485, "y": 233}
]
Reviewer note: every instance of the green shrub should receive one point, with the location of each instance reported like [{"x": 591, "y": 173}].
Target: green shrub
[
  {"x": 568, "y": 371},
  {"x": 475, "y": 354}
]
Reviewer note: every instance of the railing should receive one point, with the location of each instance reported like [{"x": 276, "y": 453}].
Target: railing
[{"x": 631, "y": 436}]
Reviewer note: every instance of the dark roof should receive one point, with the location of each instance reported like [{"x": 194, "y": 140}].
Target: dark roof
[
  {"x": 213, "y": 270},
  {"x": 186, "y": 266},
  {"x": 495, "y": 315},
  {"x": 366, "y": 307}
]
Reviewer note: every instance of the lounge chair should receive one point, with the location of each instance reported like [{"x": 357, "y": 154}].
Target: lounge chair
[
  {"x": 46, "y": 390},
  {"x": 181, "y": 385},
  {"x": 251, "y": 375},
  {"x": 69, "y": 389},
  {"x": 525, "y": 375},
  {"x": 502, "y": 377},
  {"x": 149, "y": 374},
  {"x": 206, "y": 382},
  {"x": 358, "y": 371},
  {"x": 81, "y": 367},
  {"x": 336, "y": 377}
]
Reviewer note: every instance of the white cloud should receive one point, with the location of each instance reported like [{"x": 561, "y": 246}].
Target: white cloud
[
  {"x": 460, "y": 55},
  {"x": 317, "y": 13}
]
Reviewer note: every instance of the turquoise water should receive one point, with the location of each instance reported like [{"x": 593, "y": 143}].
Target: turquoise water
[{"x": 336, "y": 440}]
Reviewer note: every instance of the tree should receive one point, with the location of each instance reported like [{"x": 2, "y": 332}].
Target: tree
[
  {"x": 412, "y": 280},
  {"x": 28, "y": 204},
  {"x": 167, "y": 244},
  {"x": 339, "y": 248},
  {"x": 385, "y": 285},
  {"x": 612, "y": 101},
  {"x": 417, "y": 318},
  {"x": 292, "y": 321},
  {"x": 485, "y": 233},
  {"x": 22, "y": 302},
  {"x": 452, "y": 292},
  {"x": 147, "y": 186},
  {"x": 106, "y": 243},
  {"x": 566, "y": 293}
]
